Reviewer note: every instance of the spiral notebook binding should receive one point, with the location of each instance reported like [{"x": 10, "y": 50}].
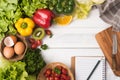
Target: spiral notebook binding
[{"x": 104, "y": 69}]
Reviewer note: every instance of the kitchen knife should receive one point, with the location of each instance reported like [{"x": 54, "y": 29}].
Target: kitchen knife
[{"x": 114, "y": 51}]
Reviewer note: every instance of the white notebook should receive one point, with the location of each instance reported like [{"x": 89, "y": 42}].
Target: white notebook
[{"x": 84, "y": 66}]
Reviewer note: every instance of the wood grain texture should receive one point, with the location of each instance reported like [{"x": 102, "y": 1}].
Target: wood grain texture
[{"x": 104, "y": 39}]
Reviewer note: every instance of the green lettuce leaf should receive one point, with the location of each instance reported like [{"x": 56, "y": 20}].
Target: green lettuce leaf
[
  {"x": 83, "y": 8},
  {"x": 12, "y": 70}
]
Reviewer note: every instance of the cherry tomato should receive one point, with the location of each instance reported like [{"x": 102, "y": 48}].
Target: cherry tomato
[
  {"x": 48, "y": 32},
  {"x": 48, "y": 72},
  {"x": 56, "y": 75},
  {"x": 56, "y": 78},
  {"x": 51, "y": 78},
  {"x": 31, "y": 40},
  {"x": 39, "y": 42},
  {"x": 46, "y": 75},
  {"x": 59, "y": 67},
  {"x": 52, "y": 75},
  {"x": 34, "y": 46},
  {"x": 63, "y": 76},
  {"x": 68, "y": 78},
  {"x": 64, "y": 71}
]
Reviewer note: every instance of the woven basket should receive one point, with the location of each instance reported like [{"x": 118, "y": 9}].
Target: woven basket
[{"x": 15, "y": 57}]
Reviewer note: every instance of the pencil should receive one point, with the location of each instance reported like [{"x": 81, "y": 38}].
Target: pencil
[{"x": 93, "y": 69}]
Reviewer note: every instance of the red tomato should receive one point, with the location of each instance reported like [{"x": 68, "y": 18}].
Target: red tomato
[
  {"x": 51, "y": 78},
  {"x": 46, "y": 75},
  {"x": 31, "y": 40},
  {"x": 48, "y": 72},
  {"x": 63, "y": 76},
  {"x": 48, "y": 32},
  {"x": 64, "y": 71},
  {"x": 56, "y": 78},
  {"x": 68, "y": 78},
  {"x": 59, "y": 67},
  {"x": 34, "y": 46},
  {"x": 62, "y": 79},
  {"x": 56, "y": 75},
  {"x": 39, "y": 42}
]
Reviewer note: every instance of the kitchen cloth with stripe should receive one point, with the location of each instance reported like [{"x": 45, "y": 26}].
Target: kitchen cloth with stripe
[{"x": 110, "y": 13}]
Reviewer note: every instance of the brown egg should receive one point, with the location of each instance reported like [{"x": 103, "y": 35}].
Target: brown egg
[
  {"x": 9, "y": 41},
  {"x": 14, "y": 38},
  {"x": 19, "y": 48},
  {"x": 8, "y": 52}
]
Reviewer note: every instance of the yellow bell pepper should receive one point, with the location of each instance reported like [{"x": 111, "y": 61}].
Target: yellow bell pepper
[{"x": 25, "y": 26}]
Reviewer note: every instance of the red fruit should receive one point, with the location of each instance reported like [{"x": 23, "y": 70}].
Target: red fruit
[
  {"x": 34, "y": 46},
  {"x": 63, "y": 76},
  {"x": 31, "y": 40},
  {"x": 46, "y": 75},
  {"x": 43, "y": 17},
  {"x": 39, "y": 42},
  {"x": 48, "y": 32},
  {"x": 68, "y": 78},
  {"x": 59, "y": 67},
  {"x": 52, "y": 74},
  {"x": 50, "y": 78},
  {"x": 64, "y": 71},
  {"x": 62, "y": 79},
  {"x": 56, "y": 78},
  {"x": 56, "y": 75},
  {"x": 48, "y": 72}
]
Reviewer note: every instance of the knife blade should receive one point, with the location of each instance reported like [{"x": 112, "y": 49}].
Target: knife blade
[{"x": 114, "y": 50}]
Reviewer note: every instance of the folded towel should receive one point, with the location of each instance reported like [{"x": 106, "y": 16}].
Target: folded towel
[{"x": 110, "y": 13}]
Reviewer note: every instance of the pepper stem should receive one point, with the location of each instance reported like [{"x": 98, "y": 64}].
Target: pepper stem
[{"x": 24, "y": 25}]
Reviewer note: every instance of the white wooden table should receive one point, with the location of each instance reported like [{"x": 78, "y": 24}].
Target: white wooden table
[{"x": 76, "y": 39}]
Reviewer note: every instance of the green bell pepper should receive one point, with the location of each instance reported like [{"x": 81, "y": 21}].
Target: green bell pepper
[{"x": 65, "y": 6}]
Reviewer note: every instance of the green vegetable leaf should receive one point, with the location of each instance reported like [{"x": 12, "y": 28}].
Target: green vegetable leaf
[
  {"x": 56, "y": 70},
  {"x": 13, "y": 1},
  {"x": 34, "y": 61},
  {"x": 31, "y": 77},
  {"x": 12, "y": 70},
  {"x": 83, "y": 8},
  {"x": 9, "y": 12},
  {"x": 30, "y": 6},
  {"x": 24, "y": 75},
  {"x": 2, "y": 35},
  {"x": 44, "y": 46},
  {"x": 4, "y": 62},
  {"x": 3, "y": 24},
  {"x": 11, "y": 30}
]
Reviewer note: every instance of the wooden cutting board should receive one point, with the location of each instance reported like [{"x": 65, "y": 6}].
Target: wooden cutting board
[{"x": 104, "y": 39}]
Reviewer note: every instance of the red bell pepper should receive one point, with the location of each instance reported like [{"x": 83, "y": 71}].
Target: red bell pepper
[{"x": 43, "y": 17}]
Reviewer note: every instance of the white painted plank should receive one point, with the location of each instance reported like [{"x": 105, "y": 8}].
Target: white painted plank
[
  {"x": 64, "y": 55},
  {"x": 71, "y": 40}
]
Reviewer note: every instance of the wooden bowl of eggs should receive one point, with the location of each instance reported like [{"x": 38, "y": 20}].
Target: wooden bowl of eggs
[{"x": 13, "y": 47}]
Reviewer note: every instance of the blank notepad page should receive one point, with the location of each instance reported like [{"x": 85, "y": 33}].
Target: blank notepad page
[{"x": 84, "y": 66}]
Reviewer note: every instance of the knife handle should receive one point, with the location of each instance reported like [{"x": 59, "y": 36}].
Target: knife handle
[{"x": 114, "y": 63}]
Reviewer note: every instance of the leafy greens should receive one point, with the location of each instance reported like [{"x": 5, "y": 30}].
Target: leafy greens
[
  {"x": 9, "y": 13},
  {"x": 83, "y": 8},
  {"x": 12, "y": 70},
  {"x": 29, "y": 6},
  {"x": 34, "y": 61}
]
